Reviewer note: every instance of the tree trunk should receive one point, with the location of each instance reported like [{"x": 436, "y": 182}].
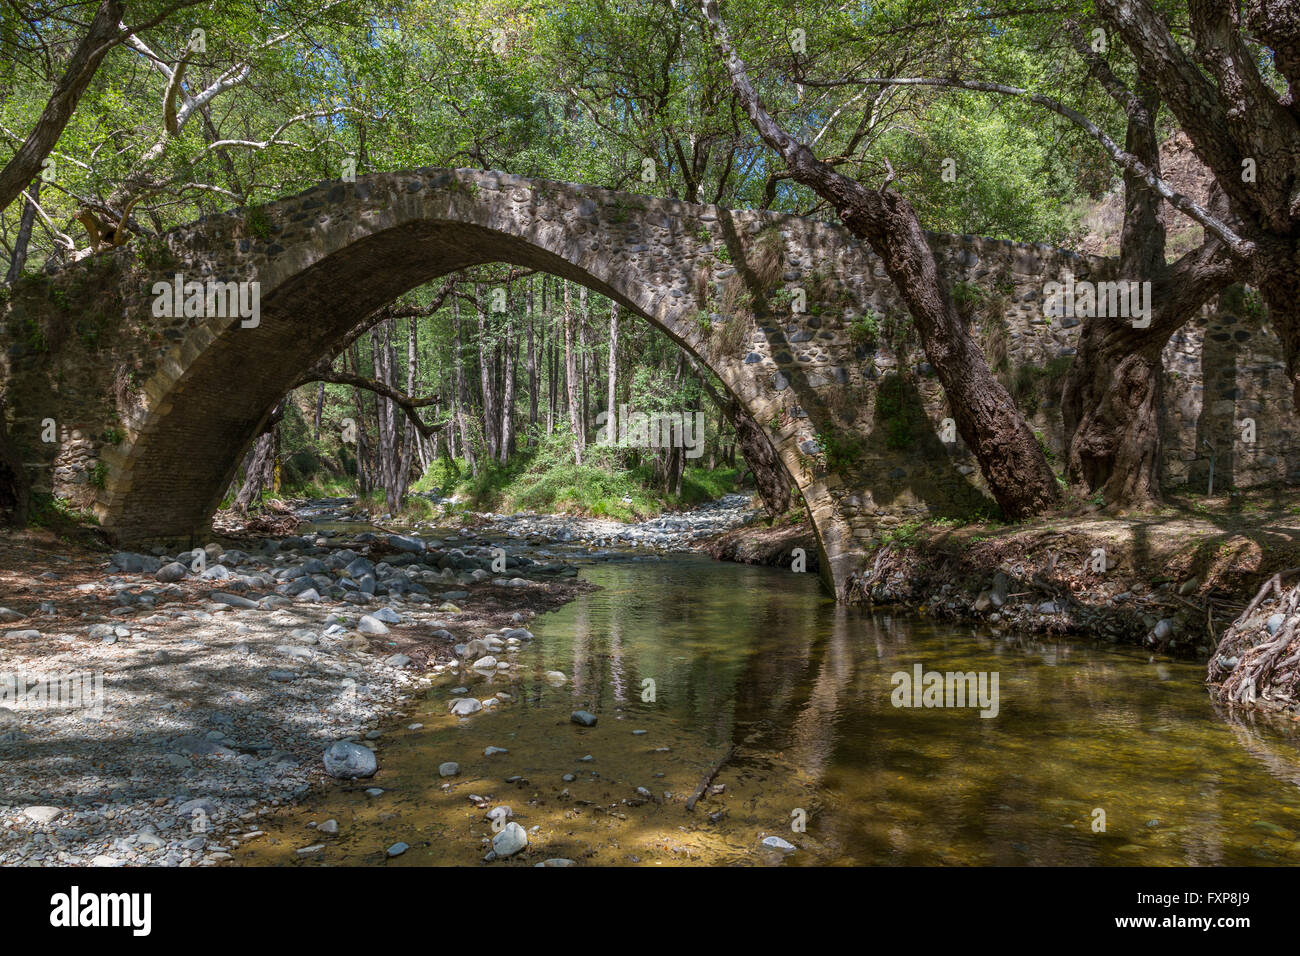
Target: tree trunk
[
  {"x": 261, "y": 469},
  {"x": 23, "y": 240},
  {"x": 1010, "y": 458},
  {"x": 1111, "y": 402},
  {"x": 320, "y": 412},
  {"x": 583, "y": 414},
  {"x": 411, "y": 437},
  {"x": 508, "y": 396},
  {"x": 487, "y": 383},
  {"x": 571, "y": 377},
  {"x": 25, "y": 164},
  {"x": 1232, "y": 115},
  {"x": 461, "y": 396},
  {"x": 612, "y": 395},
  {"x": 532, "y": 369}
]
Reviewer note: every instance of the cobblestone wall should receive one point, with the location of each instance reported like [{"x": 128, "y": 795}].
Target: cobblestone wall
[{"x": 795, "y": 316}]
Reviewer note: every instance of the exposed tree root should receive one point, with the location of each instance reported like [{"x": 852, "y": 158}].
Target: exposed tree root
[{"x": 1258, "y": 663}]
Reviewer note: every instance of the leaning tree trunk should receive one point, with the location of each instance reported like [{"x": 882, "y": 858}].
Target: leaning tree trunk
[
  {"x": 770, "y": 475},
  {"x": 100, "y": 38},
  {"x": 1009, "y": 455},
  {"x": 26, "y": 222}
]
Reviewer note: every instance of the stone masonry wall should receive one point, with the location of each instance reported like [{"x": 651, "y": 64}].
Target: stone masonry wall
[{"x": 795, "y": 316}]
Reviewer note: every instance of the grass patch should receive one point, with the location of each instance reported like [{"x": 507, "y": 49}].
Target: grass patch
[{"x": 550, "y": 481}]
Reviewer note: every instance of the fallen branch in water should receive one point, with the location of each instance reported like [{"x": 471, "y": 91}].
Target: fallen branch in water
[{"x": 708, "y": 779}]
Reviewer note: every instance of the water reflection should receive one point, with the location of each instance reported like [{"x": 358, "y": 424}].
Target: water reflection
[{"x": 759, "y": 660}]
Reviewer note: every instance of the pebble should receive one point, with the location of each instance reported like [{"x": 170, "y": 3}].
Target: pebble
[{"x": 511, "y": 840}]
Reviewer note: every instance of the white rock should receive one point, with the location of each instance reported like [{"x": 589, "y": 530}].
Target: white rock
[{"x": 510, "y": 840}]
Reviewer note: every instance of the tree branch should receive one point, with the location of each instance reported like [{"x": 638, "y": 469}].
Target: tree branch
[
  {"x": 405, "y": 402},
  {"x": 1124, "y": 159},
  {"x": 25, "y": 164}
]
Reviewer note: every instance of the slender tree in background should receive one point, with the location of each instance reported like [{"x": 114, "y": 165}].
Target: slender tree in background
[
  {"x": 571, "y": 377},
  {"x": 611, "y": 401}
]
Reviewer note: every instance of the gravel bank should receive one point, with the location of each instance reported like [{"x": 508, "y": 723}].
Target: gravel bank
[{"x": 211, "y": 696}]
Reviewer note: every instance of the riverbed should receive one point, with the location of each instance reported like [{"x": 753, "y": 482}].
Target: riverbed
[{"x": 1097, "y": 755}]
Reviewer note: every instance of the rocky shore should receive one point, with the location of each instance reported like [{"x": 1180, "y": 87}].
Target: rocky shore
[
  {"x": 155, "y": 705},
  {"x": 1174, "y": 585}
]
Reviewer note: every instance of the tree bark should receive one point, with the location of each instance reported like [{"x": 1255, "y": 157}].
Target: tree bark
[
  {"x": 25, "y": 165},
  {"x": 571, "y": 376},
  {"x": 1112, "y": 392},
  {"x": 320, "y": 412},
  {"x": 261, "y": 469},
  {"x": 462, "y": 395},
  {"x": 532, "y": 370},
  {"x": 611, "y": 400},
  {"x": 363, "y": 469},
  {"x": 1010, "y": 457},
  {"x": 508, "y": 395},
  {"x": 487, "y": 384},
  {"x": 584, "y": 362},
  {"x": 23, "y": 240}
]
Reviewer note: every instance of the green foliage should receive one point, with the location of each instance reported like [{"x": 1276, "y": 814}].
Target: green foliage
[
  {"x": 47, "y": 511},
  {"x": 548, "y": 480},
  {"x": 259, "y": 224},
  {"x": 865, "y": 329},
  {"x": 30, "y": 333},
  {"x": 1252, "y": 305},
  {"x": 904, "y": 534},
  {"x": 1032, "y": 383},
  {"x": 841, "y": 450}
]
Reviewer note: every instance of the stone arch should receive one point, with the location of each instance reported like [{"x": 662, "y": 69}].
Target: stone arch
[
  {"x": 329, "y": 257},
  {"x": 154, "y": 412}
]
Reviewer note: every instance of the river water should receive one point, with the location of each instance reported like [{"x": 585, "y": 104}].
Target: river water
[{"x": 1097, "y": 754}]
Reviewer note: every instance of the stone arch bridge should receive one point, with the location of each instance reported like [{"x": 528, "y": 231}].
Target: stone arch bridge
[{"x": 154, "y": 413}]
